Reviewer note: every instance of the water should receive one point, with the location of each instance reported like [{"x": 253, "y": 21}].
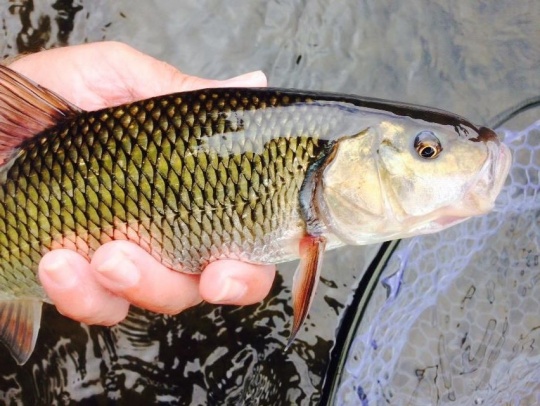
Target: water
[{"x": 474, "y": 58}]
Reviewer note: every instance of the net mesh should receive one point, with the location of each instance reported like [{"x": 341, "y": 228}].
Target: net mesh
[{"x": 459, "y": 320}]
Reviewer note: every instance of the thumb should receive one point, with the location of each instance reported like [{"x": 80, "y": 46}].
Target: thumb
[
  {"x": 251, "y": 79},
  {"x": 171, "y": 80}
]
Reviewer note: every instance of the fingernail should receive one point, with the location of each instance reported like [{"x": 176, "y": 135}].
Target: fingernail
[
  {"x": 231, "y": 291},
  {"x": 256, "y": 78},
  {"x": 120, "y": 270},
  {"x": 61, "y": 272}
]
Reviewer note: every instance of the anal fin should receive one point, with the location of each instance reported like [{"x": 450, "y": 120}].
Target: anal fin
[
  {"x": 305, "y": 280},
  {"x": 19, "y": 327}
]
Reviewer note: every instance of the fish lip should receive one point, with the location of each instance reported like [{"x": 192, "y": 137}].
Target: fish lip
[
  {"x": 448, "y": 221},
  {"x": 485, "y": 188},
  {"x": 501, "y": 165},
  {"x": 505, "y": 157}
]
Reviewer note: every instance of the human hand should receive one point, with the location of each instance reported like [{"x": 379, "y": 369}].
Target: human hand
[{"x": 120, "y": 273}]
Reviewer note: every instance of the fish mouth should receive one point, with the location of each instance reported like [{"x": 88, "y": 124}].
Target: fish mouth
[
  {"x": 490, "y": 181},
  {"x": 448, "y": 221},
  {"x": 483, "y": 191}
]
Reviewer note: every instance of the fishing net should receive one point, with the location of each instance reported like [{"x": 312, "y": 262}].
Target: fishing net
[{"x": 458, "y": 320}]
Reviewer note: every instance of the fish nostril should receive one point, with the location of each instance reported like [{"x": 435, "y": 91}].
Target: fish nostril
[{"x": 485, "y": 135}]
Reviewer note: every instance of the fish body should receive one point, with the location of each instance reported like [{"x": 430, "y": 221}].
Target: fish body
[{"x": 260, "y": 175}]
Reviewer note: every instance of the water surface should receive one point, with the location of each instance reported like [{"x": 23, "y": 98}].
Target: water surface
[{"x": 474, "y": 58}]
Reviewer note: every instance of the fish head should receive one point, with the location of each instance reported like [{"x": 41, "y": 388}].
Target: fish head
[{"x": 406, "y": 176}]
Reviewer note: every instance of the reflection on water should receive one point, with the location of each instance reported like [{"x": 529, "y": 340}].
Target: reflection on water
[
  {"x": 39, "y": 35},
  {"x": 475, "y": 58},
  {"x": 32, "y": 25},
  {"x": 233, "y": 355}
]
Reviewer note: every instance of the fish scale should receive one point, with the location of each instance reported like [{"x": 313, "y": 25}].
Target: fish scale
[{"x": 143, "y": 167}]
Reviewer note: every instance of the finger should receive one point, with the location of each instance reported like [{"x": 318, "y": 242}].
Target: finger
[
  {"x": 235, "y": 282},
  {"x": 165, "y": 77},
  {"x": 181, "y": 82},
  {"x": 128, "y": 271},
  {"x": 69, "y": 283},
  {"x": 122, "y": 75},
  {"x": 138, "y": 76}
]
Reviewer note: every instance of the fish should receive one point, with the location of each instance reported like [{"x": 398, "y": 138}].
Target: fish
[{"x": 263, "y": 175}]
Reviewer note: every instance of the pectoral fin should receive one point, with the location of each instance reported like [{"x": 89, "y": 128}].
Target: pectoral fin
[
  {"x": 305, "y": 280},
  {"x": 19, "y": 327}
]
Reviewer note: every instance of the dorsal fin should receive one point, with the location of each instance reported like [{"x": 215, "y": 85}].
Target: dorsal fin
[
  {"x": 19, "y": 327},
  {"x": 27, "y": 109}
]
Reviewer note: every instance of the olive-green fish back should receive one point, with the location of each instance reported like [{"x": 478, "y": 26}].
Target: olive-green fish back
[{"x": 191, "y": 178}]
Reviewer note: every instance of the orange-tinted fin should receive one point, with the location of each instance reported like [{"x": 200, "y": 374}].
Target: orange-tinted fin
[
  {"x": 27, "y": 109},
  {"x": 19, "y": 327},
  {"x": 305, "y": 280}
]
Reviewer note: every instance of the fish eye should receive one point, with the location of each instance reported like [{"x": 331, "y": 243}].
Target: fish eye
[{"x": 427, "y": 145}]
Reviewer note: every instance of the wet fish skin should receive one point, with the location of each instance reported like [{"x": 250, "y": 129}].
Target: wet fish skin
[
  {"x": 149, "y": 172},
  {"x": 261, "y": 175},
  {"x": 146, "y": 172}
]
